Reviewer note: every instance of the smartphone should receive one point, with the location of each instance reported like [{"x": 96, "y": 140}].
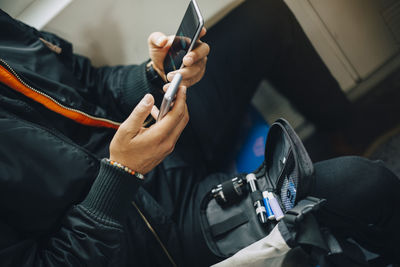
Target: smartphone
[
  {"x": 169, "y": 96},
  {"x": 185, "y": 38}
]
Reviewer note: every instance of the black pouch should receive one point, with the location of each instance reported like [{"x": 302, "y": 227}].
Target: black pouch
[{"x": 287, "y": 171}]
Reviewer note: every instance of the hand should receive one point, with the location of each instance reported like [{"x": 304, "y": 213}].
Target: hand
[
  {"x": 141, "y": 149},
  {"x": 195, "y": 61}
]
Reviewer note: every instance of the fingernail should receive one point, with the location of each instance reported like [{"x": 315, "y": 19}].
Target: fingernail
[
  {"x": 160, "y": 40},
  {"x": 170, "y": 76},
  {"x": 189, "y": 60},
  {"x": 184, "y": 90},
  {"x": 147, "y": 100}
]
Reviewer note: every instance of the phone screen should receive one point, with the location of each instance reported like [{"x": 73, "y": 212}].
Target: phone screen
[{"x": 190, "y": 27}]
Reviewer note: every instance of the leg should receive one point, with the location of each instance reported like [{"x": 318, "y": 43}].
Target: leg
[
  {"x": 241, "y": 54},
  {"x": 363, "y": 198},
  {"x": 259, "y": 39},
  {"x": 179, "y": 192},
  {"x": 304, "y": 79}
]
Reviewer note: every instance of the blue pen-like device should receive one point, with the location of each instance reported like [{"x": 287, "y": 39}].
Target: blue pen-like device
[{"x": 270, "y": 213}]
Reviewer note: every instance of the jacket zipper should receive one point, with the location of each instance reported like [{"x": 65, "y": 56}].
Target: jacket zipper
[
  {"x": 8, "y": 67},
  {"x": 155, "y": 234}
]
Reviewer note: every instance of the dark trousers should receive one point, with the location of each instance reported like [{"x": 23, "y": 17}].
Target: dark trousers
[
  {"x": 262, "y": 40},
  {"x": 259, "y": 40}
]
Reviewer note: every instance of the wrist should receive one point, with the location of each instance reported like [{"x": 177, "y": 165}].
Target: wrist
[
  {"x": 124, "y": 168},
  {"x": 155, "y": 75},
  {"x": 160, "y": 71}
]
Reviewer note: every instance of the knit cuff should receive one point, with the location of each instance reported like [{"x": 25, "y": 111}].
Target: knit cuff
[
  {"x": 111, "y": 193},
  {"x": 136, "y": 85}
]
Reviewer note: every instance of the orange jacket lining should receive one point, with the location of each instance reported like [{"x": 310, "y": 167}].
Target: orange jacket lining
[{"x": 11, "y": 81}]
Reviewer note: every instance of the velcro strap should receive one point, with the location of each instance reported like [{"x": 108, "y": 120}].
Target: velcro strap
[
  {"x": 229, "y": 191},
  {"x": 228, "y": 224}
]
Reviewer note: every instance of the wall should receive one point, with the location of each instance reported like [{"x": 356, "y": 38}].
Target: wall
[
  {"x": 116, "y": 31},
  {"x": 355, "y": 38}
]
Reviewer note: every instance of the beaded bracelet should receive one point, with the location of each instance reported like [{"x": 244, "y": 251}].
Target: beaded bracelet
[{"x": 128, "y": 170}]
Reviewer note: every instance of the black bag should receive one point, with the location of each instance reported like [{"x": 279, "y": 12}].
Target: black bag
[
  {"x": 230, "y": 224},
  {"x": 287, "y": 171}
]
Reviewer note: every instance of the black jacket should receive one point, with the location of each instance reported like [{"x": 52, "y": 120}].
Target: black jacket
[{"x": 60, "y": 205}]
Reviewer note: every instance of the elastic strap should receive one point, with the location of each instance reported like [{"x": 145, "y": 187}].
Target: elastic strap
[{"x": 228, "y": 224}]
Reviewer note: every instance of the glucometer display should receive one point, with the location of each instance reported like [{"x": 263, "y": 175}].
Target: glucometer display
[{"x": 186, "y": 33}]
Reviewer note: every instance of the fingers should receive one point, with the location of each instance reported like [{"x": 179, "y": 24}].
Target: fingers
[
  {"x": 157, "y": 39},
  {"x": 141, "y": 149},
  {"x": 195, "y": 65},
  {"x": 132, "y": 125},
  {"x": 200, "y": 52},
  {"x": 192, "y": 74},
  {"x": 174, "y": 117},
  {"x": 154, "y": 112},
  {"x": 203, "y": 32},
  {"x": 177, "y": 112},
  {"x": 166, "y": 132},
  {"x": 166, "y": 86},
  {"x": 194, "y": 61},
  {"x": 176, "y": 132},
  {"x": 159, "y": 45}
]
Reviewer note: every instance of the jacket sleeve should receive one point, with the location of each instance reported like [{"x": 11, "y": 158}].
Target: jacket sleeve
[
  {"x": 91, "y": 233},
  {"x": 111, "y": 87}
]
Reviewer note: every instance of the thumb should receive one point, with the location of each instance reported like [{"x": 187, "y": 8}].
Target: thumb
[
  {"x": 134, "y": 122},
  {"x": 157, "y": 40}
]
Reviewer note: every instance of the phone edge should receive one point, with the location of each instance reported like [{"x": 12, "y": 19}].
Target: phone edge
[{"x": 201, "y": 25}]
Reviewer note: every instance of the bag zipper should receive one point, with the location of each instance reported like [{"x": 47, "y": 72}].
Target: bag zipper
[
  {"x": 4, "y": 64},
  {"x": 154, "y": 234}
]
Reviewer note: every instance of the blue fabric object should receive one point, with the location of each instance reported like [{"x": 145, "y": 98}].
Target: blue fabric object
[{"x": 252, "y": 145}]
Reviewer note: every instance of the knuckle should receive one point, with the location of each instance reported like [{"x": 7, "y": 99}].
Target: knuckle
[
  {"x": 158, "y": 140},
  {"x": 186, "y": 118},
  {"x": 168, "y": 147},
  {"x": 185, "y": 72},
  {"x": 194, "y": 55},
  {"x": 139, "y": 109},
  {"x": 201, "y": 67},
  {"x": 123, "y": 129},
  {"x": 181, "y": 114},
  {"x": 207, "y": 48},
  {"x": 171, "y": 148},
  {"x": 171, "y": 39},
  {"x": 151, "y": 37},
  {"x": 112, "y": 145},
  {"x": 189, "y": 81},
  {"x": 117, "y": 147}
]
